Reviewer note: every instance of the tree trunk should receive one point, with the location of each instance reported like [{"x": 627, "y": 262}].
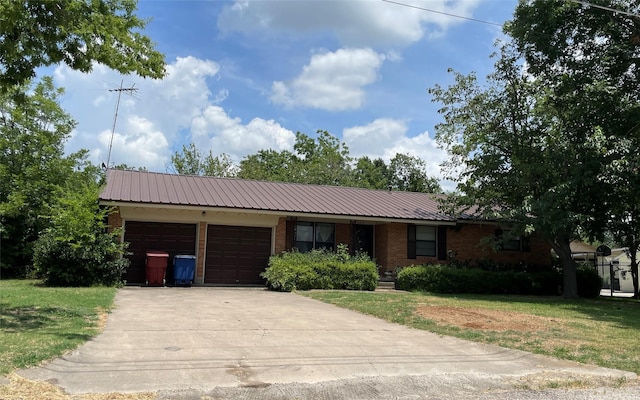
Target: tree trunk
[{"x": 570, "y": 282}]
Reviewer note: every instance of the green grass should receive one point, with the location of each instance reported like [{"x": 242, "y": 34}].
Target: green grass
[
  {"x": 39, "y": 323},
  {"x": 604, "y": 332}
]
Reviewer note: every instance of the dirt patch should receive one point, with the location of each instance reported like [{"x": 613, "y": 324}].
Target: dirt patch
[
  {"x": 485, "y": 320},
  {"x": 20, "y": 388}
]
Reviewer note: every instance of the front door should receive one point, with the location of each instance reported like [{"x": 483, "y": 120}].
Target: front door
[{"x": 363, "y": 239}]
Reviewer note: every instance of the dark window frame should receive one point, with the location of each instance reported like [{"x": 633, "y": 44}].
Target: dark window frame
[
  {"x": 414, "y": 244},
  {"x": 519, "y": 243},
  {"x": 314, "y": 243}
]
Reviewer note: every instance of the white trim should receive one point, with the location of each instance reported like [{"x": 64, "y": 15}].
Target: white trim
[{"x": 282, "y": 213}]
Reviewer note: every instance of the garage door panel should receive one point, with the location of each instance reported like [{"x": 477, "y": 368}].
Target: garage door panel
[
  {"x": 237, "y": 254},
  {"x": 174, "y": 238}
]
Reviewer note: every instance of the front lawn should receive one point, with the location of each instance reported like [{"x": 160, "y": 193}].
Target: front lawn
[
  {"x": 40, "y": 323},
  {"x": 604, "y": 332}
]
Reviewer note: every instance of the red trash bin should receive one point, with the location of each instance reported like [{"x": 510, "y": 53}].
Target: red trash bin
[{"x": 156, "y": 267}]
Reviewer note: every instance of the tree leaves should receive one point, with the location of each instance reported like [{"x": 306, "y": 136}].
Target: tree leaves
[{"x": 76, "y": 33}]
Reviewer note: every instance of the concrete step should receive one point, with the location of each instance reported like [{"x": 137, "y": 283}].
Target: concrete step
[{"x": 386, "y": 285}]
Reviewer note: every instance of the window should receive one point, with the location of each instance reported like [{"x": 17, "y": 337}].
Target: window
[
  {"x": 314, "y": 235},
  {"x": 505, "y": 241},
  {"x": 421, "y": 241}
]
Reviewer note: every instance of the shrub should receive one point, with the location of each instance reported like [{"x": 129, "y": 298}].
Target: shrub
[
  {"x": 444, "y": 279},
  {"x": 77, "y": 250},
  {"x": 320, "y": 269},
  {"x": 589, "y": 282}
]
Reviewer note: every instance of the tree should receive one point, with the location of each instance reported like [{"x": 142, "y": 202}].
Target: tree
[
  {"x": 321, "y": 161},
  {"x": 32, "y": 167},
  {"x": 191, "y": 162},
  {"x": 271, "y": 165},
  {"x": 408, "y": 173},
  {"x": 520, "y": 160},
  {"x": 78, "y": 33},
  {"x": 77, "y": 249},
  {"x": 371, "y": 174},
  {"x": 591, "y": 66},
  {"x": 325, "y": 160}
]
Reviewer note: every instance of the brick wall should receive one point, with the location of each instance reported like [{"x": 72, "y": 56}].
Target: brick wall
[
  {"x": 394, "y": 242},
  {"x": 200, "y": 261},
  {"x": 465, "y": 241},
  {"x": 114, "y": 220},
  {"x": 281, "y": 235},
  {"x": 343, "y": 234}
]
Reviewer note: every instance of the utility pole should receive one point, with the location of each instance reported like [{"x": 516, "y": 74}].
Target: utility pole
[{"x": 120, "y": 90}]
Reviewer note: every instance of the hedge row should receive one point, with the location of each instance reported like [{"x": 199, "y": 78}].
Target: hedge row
[
  {"x": 444, "y": 279},
  {"x": 320, "y": 269}
]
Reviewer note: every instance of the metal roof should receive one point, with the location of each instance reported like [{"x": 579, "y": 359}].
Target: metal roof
[{"x": 203, "y": 191}]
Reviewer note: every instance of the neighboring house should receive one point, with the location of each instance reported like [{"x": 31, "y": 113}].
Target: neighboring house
[
  {"x": 583, "y": 252},
  {"x": 620, "y": 263},
  {"x": 232, "y": 226}
]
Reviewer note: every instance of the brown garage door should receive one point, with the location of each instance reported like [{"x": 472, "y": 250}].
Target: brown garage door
[
  {"x": 143, "y": 236},
  {"x": 236, "y": 254}
]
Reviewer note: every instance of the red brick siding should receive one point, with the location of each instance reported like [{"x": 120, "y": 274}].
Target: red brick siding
[
  {"x": 202, "y": 239},
  {"x": 114, "y": 220},
  {"x": 281, "y": 235},
  {"x": 343, "y": 234},
  {"x": 464, "y": 241}
]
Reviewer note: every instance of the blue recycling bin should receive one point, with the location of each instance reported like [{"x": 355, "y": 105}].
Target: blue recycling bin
[{"x": 184, "y": 268}]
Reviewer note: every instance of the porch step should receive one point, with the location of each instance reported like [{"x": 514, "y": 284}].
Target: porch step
[{"x": 386, "y": 285}]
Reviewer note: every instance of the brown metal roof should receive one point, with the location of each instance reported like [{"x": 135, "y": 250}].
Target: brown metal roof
[{"x": 203, "y": 191}]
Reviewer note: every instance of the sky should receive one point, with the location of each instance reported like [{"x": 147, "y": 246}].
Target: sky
[{"x": 245, "y": 75}]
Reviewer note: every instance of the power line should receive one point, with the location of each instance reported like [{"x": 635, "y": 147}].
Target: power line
[
  {"x": 443, "y": 13},
  {"x": 584, "y": 3}
]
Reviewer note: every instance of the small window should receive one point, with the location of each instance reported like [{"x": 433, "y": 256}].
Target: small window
[
  {"x": 314, "y": 235},
  {"x": 507, "y": 242},
  {"x": 426, "y": 241},
  {"x": 421, "y": 241}
]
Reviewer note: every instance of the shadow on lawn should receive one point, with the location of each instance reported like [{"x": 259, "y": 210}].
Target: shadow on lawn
[{"x": 17, "y": 319}]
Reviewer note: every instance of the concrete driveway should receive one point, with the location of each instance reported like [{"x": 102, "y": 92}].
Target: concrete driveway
[{"x": 197, "y": 339}]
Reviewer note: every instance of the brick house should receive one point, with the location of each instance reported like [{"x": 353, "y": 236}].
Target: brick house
[{"x": 232, "y": 226}]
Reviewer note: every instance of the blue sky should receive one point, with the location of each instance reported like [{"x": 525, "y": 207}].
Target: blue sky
[{"x": 246, "y": 75}]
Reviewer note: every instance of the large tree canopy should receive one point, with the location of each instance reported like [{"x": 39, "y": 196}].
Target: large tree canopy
[
  {"x": 590, "y": 57},
  {"x": 33, "y": 167},
  {"x": 535, "y": 145},
  {"x": 77, "y": 33}
]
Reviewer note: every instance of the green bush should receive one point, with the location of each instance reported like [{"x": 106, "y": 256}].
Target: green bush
[
  {"x": 320, "y": 269},
  {"x": 77, "y": 250},
  {"x": 62, "y": 263},
  {"x": 589, "y": 282},
  {"x": 444, "y": 279}
]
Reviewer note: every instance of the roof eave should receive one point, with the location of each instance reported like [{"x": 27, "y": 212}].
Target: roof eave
[{"x": 367, "y": 218}]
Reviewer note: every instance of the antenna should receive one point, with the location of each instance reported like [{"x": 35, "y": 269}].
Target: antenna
[{"x": 120, "y": 90}]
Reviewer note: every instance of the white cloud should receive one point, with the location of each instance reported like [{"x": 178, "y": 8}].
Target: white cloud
[
  {"x": 160, "y": 116},
  {"x": 354, "y": 23},
  {"x": 142, "y": 143},
  {"x": 331, "y": 81},
  {"x": 372, "y": 139},
  {"x": 385, "y": 137},
  {"x": 216, "y": 130}
]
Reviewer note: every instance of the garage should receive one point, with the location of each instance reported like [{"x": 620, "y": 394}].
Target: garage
[
  {"x": 170, "y": 237},
  {"x": 236, "y": 254}
]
